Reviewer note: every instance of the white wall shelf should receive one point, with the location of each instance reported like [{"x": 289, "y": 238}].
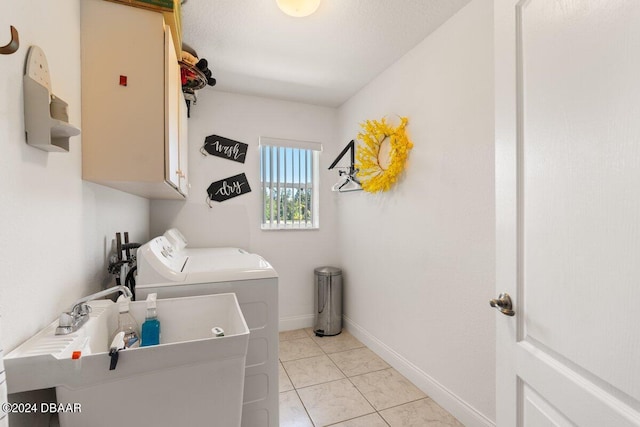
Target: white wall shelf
[{"x": 46, "y": 117}]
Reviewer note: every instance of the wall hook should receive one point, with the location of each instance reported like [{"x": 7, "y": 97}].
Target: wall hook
[
  {"x": 13, "y": 45},
  {"x": 349, "y": 182}
]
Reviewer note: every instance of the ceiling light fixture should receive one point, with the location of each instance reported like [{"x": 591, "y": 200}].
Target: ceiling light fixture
[{"x": 298, "y": 8}]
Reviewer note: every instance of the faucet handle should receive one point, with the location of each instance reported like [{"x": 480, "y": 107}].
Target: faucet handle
[
  {"x": 66, "y": 320},
  {"x": 81, "y": 309},
  {"x": 73, "y": 320}
]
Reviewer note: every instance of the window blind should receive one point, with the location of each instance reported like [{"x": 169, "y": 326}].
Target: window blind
[{"x": 288, "y": 171}]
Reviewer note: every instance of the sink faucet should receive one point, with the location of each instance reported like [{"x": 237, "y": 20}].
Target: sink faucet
[{"x": 73, "y": 320}]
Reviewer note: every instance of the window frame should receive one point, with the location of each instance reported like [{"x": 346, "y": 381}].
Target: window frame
[{"x": 275, "y": 181}]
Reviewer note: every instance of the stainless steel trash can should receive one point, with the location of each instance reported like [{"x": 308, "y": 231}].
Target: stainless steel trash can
[{"x": 328, "y": 283}]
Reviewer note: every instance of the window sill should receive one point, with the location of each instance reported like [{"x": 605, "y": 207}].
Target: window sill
[{"x": 288, "y": 228}]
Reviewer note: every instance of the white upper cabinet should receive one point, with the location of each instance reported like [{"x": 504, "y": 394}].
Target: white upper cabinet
[{"x": 134, "y": 138}]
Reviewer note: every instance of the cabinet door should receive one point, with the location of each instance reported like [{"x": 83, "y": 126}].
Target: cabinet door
[
  {"x": 184, "y": 147},
  {"x": 130, "y": 100},
  {"x": 123, "y": 76},
  {"x": 172, "y": 112}
]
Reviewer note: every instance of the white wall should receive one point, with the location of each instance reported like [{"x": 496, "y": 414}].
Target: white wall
[
  {"x": 236, "y": 222},
  {"x": 56, "y": 230},
  {"x": 419, "y": 260}
]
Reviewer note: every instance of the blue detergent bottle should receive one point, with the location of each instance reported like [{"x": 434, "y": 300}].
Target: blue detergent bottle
[{"x": 151, "y": 326}]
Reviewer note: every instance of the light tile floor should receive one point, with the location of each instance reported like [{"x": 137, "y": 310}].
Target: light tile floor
[{"x": 337, "y": 381}]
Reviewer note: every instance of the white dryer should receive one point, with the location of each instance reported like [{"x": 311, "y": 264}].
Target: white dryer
[{"x": 169, "y": 268}]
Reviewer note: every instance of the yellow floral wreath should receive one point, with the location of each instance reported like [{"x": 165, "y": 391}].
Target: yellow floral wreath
[{"x": 373, "y": 176}]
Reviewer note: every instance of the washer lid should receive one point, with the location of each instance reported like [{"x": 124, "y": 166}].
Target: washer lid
[
  {"x": 158, "y": 262},
  {"x": 328, "y": 271}
]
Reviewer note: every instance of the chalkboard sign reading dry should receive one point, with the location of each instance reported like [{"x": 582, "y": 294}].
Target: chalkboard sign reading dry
[
  {"x": 226, "y": 148},
  {"x": 228, "y": 188}
]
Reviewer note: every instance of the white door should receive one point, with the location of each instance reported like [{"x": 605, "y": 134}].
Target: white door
[{"x": 568, "y": 212}]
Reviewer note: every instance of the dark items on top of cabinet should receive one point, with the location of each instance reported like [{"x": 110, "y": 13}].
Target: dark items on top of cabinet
[{"x": 195, "y": 75}]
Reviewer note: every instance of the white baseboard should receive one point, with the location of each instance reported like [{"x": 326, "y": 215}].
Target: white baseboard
[
  {"x": 296, "y": 322},
  {"x": 464, "y": 412}
]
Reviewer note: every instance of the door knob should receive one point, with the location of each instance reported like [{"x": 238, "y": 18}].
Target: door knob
[{"x": 503, "y": 303}]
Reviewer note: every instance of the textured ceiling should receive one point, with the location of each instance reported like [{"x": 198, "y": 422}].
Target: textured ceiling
[{"x": 323, "y": 59}]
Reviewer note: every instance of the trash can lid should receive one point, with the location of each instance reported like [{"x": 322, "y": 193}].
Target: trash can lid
[{"x": 328, "y": 271}]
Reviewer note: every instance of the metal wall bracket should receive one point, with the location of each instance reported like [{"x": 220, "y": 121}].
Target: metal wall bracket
[{"x": 349, "y": 182}]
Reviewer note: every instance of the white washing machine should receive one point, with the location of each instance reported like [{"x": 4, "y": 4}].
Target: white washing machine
[{"x": 169, "y": 268}]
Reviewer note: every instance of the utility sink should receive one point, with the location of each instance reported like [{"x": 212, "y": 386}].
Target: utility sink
[{"x": 192, "y": 378}]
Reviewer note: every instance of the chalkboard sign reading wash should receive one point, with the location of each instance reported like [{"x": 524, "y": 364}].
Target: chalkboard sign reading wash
[
  {"x": 228, "y": 188},
  {"x": 226, "y": 148}
]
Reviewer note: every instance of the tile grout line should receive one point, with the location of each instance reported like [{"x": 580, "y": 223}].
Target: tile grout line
[
  {"x": 354, "y": 418},
  {"x": 296, "y": 389},
  {"x": 325, "y": 353},
  {"x": 345, "y": 377},
  {"x": 301, "y": 358},
  {"x": 326, "y": 382},
  {"x": 406, "y": 403},
  {"x": 341, "y": 421},
  {"x": 334, "y": 364},
  {"x": 356, "y": 387},
  {"x": 378, "y": 411},
  {"x": 305, "y": 407},
  {"x": 297, "y": 394},
  {"x": 358, "y": 390},
  {"x": 288, "y": 376}
]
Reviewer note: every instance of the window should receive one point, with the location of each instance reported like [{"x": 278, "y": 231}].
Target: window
[{"x": 289, "y": 177}]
